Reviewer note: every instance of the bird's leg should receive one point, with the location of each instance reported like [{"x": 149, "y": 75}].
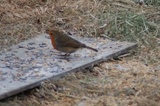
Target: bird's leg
[{"x": 67, "y": 54}]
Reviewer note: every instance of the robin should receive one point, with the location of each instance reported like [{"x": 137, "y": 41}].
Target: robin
[{"x": 64, "y": 43}]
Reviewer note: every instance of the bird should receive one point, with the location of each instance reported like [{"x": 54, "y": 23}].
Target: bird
[{"x": 64, "y": 43}]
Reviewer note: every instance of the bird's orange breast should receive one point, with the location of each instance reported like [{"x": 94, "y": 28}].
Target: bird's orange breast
[{"x": 53, "y": 40}]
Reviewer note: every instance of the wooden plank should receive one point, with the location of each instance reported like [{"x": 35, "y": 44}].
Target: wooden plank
[{"x": 27, "y": 64}]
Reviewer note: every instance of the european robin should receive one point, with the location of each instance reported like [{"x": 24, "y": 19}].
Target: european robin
[{"x": 64, "y": 43}]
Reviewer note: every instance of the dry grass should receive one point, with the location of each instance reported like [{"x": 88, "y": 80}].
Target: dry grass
[{"x": 133, "y": 81}]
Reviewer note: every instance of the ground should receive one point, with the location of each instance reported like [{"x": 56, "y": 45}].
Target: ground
[{"x": 130, "y": 80}]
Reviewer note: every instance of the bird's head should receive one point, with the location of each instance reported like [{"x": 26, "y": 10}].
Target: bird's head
[{"x": 53, "y": 32}]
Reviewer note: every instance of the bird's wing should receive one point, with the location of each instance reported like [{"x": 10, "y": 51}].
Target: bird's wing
[{"x": 70, "y": 43}]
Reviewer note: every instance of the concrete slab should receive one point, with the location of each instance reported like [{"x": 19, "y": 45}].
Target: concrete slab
[{"x": 27, "y": 64}]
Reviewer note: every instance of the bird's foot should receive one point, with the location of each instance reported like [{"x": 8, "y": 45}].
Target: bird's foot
[{"x": 66, "y": 55}]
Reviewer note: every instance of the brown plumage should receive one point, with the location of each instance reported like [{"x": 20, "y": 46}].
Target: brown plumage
[{"x": 64, "y": 43}]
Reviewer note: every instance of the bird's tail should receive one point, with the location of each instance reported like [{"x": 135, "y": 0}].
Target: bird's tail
[{"x": 91, "y": 48}]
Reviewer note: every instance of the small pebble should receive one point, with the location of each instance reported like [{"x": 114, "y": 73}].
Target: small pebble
[
  {"x": 31, "y": 43},
  {"x": 43, "y": 45},
  {"x": 31, "y": 48}
]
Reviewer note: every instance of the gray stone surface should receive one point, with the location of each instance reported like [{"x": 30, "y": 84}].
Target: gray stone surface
[{"x": 27, "y": 64}]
